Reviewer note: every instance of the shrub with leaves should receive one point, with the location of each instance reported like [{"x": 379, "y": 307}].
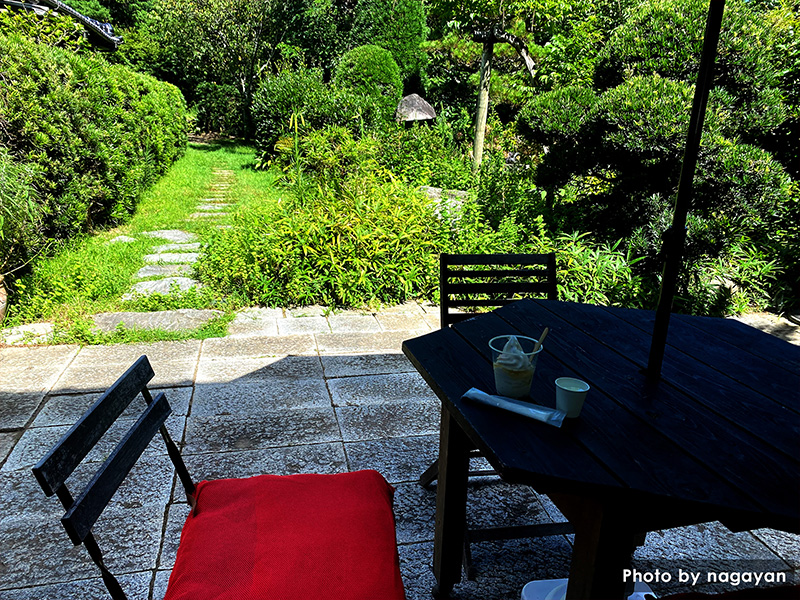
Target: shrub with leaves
[
  {"x": 51, "y": 28},
  {"x": 95, "y": 135},
  {"x": 346, "y": 245},
  {"x": 614, "y": 151},
  {"x": 21, "y": 214},
  {"x": 371, "y": 72}
]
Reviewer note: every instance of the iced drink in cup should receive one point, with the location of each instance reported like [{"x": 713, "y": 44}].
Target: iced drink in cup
[{"x": 514, "y": 362}]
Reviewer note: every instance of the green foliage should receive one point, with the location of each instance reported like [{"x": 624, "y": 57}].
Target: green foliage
[
  {"x": 298, "y": 92},
  {"x": 425, "y": 155},
  {"x": 21, "y": 214},
  {"x": 52, "y": 28},
  {"x": 396, "y": 25},
  {"x": 94, "y": 135},
  {"x": 615, "y": 150},
  {"x": 219, "y": 108},
  {"x": 371, "y": 73},
  {"x": 358, "y": 241}
]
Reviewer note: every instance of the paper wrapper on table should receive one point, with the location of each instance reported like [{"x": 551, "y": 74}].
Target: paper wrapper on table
[{"x": 550, "y": 416}]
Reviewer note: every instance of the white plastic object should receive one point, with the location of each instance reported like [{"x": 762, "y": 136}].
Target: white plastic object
[{"x": 556, "y": 589}]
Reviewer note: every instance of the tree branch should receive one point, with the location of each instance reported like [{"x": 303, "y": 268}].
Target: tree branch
[{"x": 495, "y": 35}]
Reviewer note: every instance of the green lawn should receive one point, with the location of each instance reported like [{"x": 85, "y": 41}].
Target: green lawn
[{"x": 90, "y": 275}]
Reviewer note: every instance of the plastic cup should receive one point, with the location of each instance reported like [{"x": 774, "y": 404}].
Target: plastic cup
[
  {"x": 570, "y": 394},
  {"x": 512, "y": 378}
]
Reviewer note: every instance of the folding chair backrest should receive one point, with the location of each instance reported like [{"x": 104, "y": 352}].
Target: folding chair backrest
[
  {"x": 492, "y": 280},
  {"x": 61, "y": 461}
]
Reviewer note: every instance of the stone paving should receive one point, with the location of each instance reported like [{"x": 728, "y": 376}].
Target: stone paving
[{"x": 287, "y": 392}]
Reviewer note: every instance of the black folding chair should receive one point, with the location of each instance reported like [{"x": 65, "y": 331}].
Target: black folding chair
[
  {"x": 59, "y": 463},
  {"x": 482, "y": 281},
  {"x": 235, "y": 537}
]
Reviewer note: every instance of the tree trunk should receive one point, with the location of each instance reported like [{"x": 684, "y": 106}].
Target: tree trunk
[{"x": 483, "y": 105}]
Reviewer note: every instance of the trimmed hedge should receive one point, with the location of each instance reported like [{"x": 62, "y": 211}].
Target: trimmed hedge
[{"x": 94, "y": 135}]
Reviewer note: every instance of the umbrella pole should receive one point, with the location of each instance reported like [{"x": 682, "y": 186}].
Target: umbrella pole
[{"x": 675, "y": 236}]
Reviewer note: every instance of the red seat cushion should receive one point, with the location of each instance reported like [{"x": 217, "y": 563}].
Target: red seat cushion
[{"x": 270, "y": 537}]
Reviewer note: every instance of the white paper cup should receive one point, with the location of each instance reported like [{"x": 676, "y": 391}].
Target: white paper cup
[{"x": 570, "y": 394}]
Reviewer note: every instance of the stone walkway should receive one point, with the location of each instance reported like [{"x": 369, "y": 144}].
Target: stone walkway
[{"x": 287, "y": 392}]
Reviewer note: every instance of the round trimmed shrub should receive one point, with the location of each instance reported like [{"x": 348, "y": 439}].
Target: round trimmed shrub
[{"x": 371, "y": 72}]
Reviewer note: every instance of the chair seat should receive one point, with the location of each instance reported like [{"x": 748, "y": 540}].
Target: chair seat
[{"x": 289, "y": 537}]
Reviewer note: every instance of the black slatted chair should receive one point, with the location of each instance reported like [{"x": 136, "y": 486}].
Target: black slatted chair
[
  {"x": 262, "y": 537},
  {"x": 489, "y": 281},
  {"x": 492, "y": 280},
  {"x": 481, "y": 281}
]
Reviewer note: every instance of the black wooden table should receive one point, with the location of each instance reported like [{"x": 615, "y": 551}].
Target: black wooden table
[{"x": 717, "y": 438}]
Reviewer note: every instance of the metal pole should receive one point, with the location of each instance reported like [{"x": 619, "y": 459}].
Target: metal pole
[{"x": 675, "y": 236}]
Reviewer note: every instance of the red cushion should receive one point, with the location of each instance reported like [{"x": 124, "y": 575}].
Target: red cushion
[{"x": 309, "y": 537}]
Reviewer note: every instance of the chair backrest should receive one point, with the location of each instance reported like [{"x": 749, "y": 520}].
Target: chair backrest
[
  {"x": 492, "y": 280},
  {"x": 59, "y": 463}
]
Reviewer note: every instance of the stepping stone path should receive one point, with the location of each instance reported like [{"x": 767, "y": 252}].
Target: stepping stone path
[{"x": 169, "y": 267}]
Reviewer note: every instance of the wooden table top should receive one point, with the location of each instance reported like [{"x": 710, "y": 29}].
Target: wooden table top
[{"x": 717, "y": 438}]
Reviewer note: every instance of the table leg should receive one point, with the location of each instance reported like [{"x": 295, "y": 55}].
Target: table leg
[
  {"x": 451, "y": 505},
  {"x": 604, "y": 545}
]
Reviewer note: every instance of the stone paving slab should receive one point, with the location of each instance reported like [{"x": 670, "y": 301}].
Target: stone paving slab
[
  {"x": 254, "y": 398},
  {"x": 353, "y": 323},
  {"x": 161, "y": 286},
  {"x": 173, "y": 235},
  {"x": 395, "y": 419},
  {"x": 126, "y": 354},
  {"x": 404, "y": 322},
  {"x": 168, "y": 320},
  {"x": 345, "y": 365},
  {"x": 135, "y": 585},
  {"x": 365, "y": 343},
  {"x": 303, "y": 325},
  {"x": 98, "y": 378},
  {"x": 17, "y": 408},
  {"x": 257, "y": 347},
  {"x": 175, "y": 270},
  {"x": 31, "y": 446},
  {"x": 401, "y": 459},
  {"x": 270, "y": 429},
  {"x": 258, "y": 369},
  {"x": 325, "y": 457},
  {"x": 67, "y": 409},
  {"x": 188, "y": 247},
  {"x": 32, "y": 333},
  {"x": 8, "y": 440},
  {"x": 378, "y": 389},
  {"x": 172, "y": 257}
]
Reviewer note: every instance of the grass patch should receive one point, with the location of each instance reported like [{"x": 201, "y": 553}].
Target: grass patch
[{"x": 89, "y": 275}]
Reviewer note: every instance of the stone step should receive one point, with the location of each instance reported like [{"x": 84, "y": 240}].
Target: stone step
[
  {"x": 172, "y": 257},
  {"x": 161, "y": 286},
  {"x": 177, "y": 248},
  {"x": 174, "y": 270},
  {"x": 205, "y": 215},
  {"x": 170, "y": 320},
  {"x": 173, "y": 235},
  {"x": 213, "y": 207}
]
